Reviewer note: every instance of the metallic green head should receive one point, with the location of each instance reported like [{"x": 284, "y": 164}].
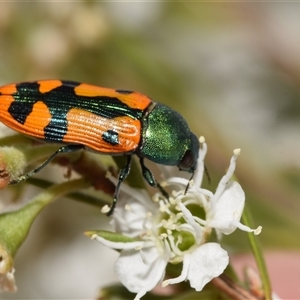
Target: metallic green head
[{"x": 167, "y": 139}]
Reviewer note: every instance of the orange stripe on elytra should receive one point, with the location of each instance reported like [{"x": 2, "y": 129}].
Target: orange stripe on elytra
[
  {"x": 6, "y": 99},
  {"x": 35, "y": 121},
  {"x": 48, "y": 85},
  {"x": 133, "y": 100},
  {"x": 87, "y": 129},
  {"x": 8, "y": 89},
  {"x": 5, "y": 102},
  {"x": 88, "y": 90},
  {"x": 38, "y": 119}
]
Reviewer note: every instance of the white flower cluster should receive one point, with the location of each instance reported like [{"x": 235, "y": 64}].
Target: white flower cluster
[{"x": 176, "y": 230}]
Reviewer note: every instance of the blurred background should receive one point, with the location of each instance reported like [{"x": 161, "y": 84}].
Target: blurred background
[{"x": 231, "y": 69}]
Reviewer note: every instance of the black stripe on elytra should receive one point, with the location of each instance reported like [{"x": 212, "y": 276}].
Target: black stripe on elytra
[
  {"x": 26, "y": 96},
  {"x": 60, "y": 100}
]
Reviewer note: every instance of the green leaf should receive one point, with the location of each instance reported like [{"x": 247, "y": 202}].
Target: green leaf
[{"x": 15, "y": 225}]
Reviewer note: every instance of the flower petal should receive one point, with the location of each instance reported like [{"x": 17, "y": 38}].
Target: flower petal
[
  {"x": 228, "y": 209},
  {"x": 140, "y": 271},
  {"x": 225, "y": 179},
  {"x": 198, "y": 176},
  {"x": 206, "y": 262},
  {"x": 129, "y": 215}
]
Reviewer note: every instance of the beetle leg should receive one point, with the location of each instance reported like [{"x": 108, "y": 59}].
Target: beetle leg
[
  {"x": 63, "y": 149},
  {"x": 123, "y": 173},
  {"x": 163, "y": 191},
  {"x": 147, "y": 174}
]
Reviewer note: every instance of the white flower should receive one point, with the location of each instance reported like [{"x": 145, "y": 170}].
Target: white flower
[{"x": 172, "y": 231}]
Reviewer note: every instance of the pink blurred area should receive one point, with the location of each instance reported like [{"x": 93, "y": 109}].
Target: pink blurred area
[{"x": 284, "y": 271}]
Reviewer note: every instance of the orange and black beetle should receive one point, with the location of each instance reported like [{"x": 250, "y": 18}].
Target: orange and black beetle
[{"x": 108, "y": 121}]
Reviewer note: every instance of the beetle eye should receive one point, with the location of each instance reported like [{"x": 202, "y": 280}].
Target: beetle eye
[{"x": 187, "y": 162}]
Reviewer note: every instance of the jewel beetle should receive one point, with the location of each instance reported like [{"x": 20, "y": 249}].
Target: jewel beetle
[{"x": 104, "y": 120}]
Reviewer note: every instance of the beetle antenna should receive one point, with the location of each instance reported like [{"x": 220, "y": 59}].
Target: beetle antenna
[
  {"x": 207, "y": 174},
  {"x": 188, "y": 184}
]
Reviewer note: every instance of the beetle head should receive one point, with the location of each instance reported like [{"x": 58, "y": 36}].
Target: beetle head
[{"x": 188, "y": 162}]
